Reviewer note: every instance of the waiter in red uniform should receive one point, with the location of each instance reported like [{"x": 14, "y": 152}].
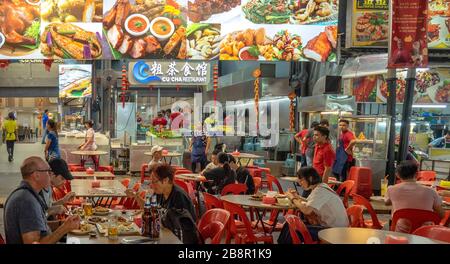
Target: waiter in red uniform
[
  {"x": 324, "y": 155},
  {"x": 347, "y": 140}
]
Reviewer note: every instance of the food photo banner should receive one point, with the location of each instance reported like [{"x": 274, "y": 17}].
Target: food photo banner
[
  {"x": 432, "y": 86},
  {"x": 408, "y": 43},
  {"x": 370, "y": 24},
  {"x": 266, "y": 30}
]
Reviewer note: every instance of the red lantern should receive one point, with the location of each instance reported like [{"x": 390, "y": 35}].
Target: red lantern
[
  {"x": 292, "y": 111},
  {"x": 48, "y": 64},
  {"x": 125, "y": 83},
  {"x": 4, "y": 64},
  {"x": 215, "y": 82},
  {"x": 257, "y": 75}
]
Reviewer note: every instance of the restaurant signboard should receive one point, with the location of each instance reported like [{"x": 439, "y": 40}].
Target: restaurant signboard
[
  {"x": 408, "y": 42},
  {"x": 168, "y": 73}
]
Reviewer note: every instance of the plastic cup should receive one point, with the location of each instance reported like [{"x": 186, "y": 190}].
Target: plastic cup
[{"x": 384, "y": 185}]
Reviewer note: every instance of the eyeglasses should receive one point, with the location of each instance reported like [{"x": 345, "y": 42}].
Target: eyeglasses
[{"x": 48, "y": 171}]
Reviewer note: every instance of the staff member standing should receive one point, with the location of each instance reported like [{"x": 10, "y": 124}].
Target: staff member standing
[
  {"x": 10, "y": 131},
  {"x": 199, "y": 150},
  {"x": 89, "y": 141},
  {"x": 303, "y": 144},
  {"x": 44, "y": 125},
  {"x": 324, "y": 154},
  {"x": 344, "y": 153},
  {"x": 310, "y": 144}
]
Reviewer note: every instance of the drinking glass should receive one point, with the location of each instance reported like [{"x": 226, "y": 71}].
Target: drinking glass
[
  {"x": 88, "y": 210},
  {"x": 384, "y": 185}
]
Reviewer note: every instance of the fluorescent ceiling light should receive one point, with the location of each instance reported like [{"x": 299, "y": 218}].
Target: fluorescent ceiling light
[{"x": 430, "y": 106}]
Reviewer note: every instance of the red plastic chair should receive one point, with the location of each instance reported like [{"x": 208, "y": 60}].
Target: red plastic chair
[
  {"x": 144, "y": 176},
  {"x": 246, "y": 235},
  {"x": 187, "y": 188},
  {"x": 213, "y": 224},
  {"x": 347, "y": 186},
  {"x": 57, "y": 194},
  {"x": 355, "y": 216},
  {"x": 135, "y": 204},
  {"x": 183, "y": 171},
  {"x": 332, "y": 185},
  {"x": 2, "y": 241},
  {"x": 212, "y": 202},
  {"x": 374, "y": 223},
  {"x": 416, "y": 217},
  {"x": 127, "y": 202},
  {"x": 273, "y": 180},
  {"x": 77, "y": 168},
  {"x": 126, "y": 182},
  {"x": 234, "y": 188},
  {"x": 363, "y": 181},
  {"x": 106, "y": 168},
  {"x": 446, "y": 219},
  {"x": 436, "y": 232},
  {"x": 426, "y": 176},
  {"x": 296, "y": 224},
  {"x": 257, "y": 182}
]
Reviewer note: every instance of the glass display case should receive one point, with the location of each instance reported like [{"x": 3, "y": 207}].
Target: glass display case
[{"x": 372, "y": 134}]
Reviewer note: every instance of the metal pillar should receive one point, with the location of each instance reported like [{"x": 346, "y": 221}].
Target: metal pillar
[
  {"x": 391, "y": 111},
  {"x": 406, "y": 115}
]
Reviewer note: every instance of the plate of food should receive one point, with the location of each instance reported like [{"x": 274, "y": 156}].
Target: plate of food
[
  {"x": 144, "y": 29},
  {"x": 372, "y": 27},
  {"x": 99, "y": 210},
  {"x": 222, "y": 11},
  {"x": 314, "y": 11},
  {"x": 203, "y": 41},
  {"x": 79, "y": 41},
  {"x": 377, "y": 198},
  {"x": 382, "y": 92},
  {"x": 249, "y": 44},
  {"x": 97, "y": 220},
  {"x": 257, "y": 196},
  {"x": 19, "y": 29},
  {"x": 440, "y": 93},
  {"x": 86, "y": 11},
  {"x": 85, "y": 228}
]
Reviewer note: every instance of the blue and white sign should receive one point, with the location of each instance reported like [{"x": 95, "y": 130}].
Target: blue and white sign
[{"x": 159, "y": 72}]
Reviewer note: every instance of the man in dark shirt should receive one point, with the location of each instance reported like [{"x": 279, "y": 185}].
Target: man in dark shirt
[
  {"x": 243, "y": 176},
  {"x": 167, "y": 193},
  {"x": 25, "y": 217}
]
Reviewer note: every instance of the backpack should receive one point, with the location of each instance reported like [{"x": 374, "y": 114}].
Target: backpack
[{"x": 180, "y": 222}]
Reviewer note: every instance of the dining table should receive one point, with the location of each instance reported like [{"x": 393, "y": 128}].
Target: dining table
[
  {"x": 84, "y": 153},
  {"x": 247, "y": 156},
  {"x": 105, "y": 175},
  {"x": 97, "y": 237},
  {"x": 351, "y": 235},
  {"x": 169, "y": 155},
  {"x": 107, "y": 189},
  {"x": 294, "y": 181},
  {"x": 256, "y": 203}
]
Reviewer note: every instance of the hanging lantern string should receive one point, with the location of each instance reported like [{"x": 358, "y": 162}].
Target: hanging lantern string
[
  {"x": 292, "y": 112},
  {"x": 257, "y": 75}
]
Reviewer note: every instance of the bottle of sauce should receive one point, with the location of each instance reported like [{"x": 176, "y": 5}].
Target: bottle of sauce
[
  {"x": 156, "y": 220},
  {"x": 147, "y": 219}
]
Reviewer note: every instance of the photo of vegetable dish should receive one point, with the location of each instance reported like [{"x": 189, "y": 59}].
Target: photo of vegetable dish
[
  {"x": 426, "y": 79},
  {"x": 442, "y": 94},
  {"x": 203, "y": 41},
  {"x": 145, "y": 28},
  {"x": 294, "y": 12},
  {"x": 87, "y": 11},
  {"x": 69, "y": 41},
  {"x": 19, "y": 28}
]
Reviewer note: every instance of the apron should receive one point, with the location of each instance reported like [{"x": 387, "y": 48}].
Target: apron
[
  {"x": 198, "y": 149},
  {"x": 341, "y": 158}
]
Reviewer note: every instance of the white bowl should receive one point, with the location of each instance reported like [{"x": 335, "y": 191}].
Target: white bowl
[
  {"x": 31, "y": 3},
  {"x": 162, "y": 37},
  {"x": 133, "y": 33},
  {"x": 2, "y": 39},
  {"x": 245, "y": 49}
]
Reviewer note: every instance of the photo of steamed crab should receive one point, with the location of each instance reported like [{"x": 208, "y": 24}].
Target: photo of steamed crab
[
  {"x": 203, "y": 41},
  {"x": 72, "y": 41},
  {"x": 145, "y": 29},
  {"x": 86, "y": 11},
  {"x": 19, "y": 28}
]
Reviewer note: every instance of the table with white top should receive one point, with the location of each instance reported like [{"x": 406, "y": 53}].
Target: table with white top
[
  {"x": 101, "y": 175},
  {"x": 246, "y": 156},
  {"x": 170, "y": 155},
  {"x": 109, "y": 189},
  {"x": 84, "y": 153}
]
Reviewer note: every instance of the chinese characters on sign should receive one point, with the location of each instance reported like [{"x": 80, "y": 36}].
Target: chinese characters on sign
[
  {"x": 372, "y": 4},
  {"x": 169, "y": 73},
  {"x": 408, "y": 47}
]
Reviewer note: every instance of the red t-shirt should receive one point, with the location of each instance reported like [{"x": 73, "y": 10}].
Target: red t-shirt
[
  {"x": 174, "y": 115},
  {"x": 347, "y": 137},
  {"x": 301, "y": 135},
  {"x": 159, "y": 121},
  {"x": 324, "y": 156}
]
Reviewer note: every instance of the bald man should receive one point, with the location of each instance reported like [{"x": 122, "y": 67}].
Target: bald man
[{"x": 25, "y": 217}]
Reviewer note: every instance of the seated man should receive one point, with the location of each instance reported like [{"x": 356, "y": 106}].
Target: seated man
[
  {"x": 243, "y": 175},
  {"x": 25, "y": 216},
  {"x": 214, "y": 162},
  {"x": 322, "y": 209},
  {"x": 220, "y": 176},
  {"x": 60, "y": 173},
  {"x": 156, "y": 153},
  {"x": 168, "y": 194},
  {"x": 410, "y": 195}
]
